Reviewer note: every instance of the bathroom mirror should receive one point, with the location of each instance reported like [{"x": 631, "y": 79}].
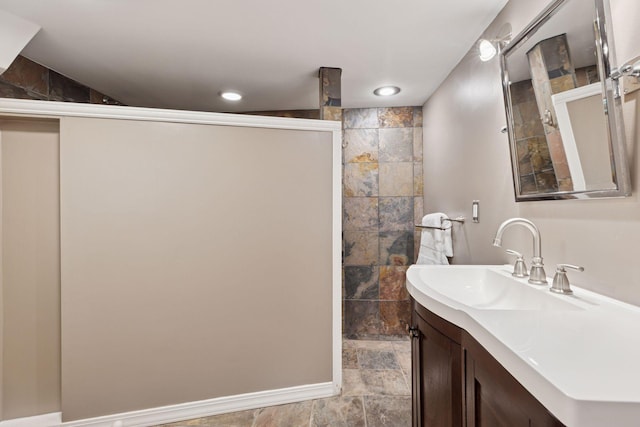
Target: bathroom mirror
[{"x": 564, "y": 115}]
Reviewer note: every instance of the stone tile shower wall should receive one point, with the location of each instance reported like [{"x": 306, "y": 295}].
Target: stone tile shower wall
[
  {"x": 382, "y": 200},
  {"x": 25, "y": 79}
]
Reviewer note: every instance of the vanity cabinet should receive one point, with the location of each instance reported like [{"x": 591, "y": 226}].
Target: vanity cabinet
[
  {"x": 494, "y": 397},
  {"x": 456, "y": 382},
  {"x": 437, "y": 373}
]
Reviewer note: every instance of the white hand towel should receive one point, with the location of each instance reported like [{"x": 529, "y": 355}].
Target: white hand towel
[{"x": 435, "y": 244}]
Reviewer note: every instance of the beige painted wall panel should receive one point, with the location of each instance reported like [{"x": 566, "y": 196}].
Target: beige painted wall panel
[
  {"x": 196, "y": 262},
  {"x": 466, "y": 158},
  {"x": 30, "y": 268}
]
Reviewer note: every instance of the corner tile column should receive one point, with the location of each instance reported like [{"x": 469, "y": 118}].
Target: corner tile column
[{"x": 330, "y": 93}]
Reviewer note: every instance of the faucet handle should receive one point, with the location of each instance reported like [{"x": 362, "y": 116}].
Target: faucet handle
[
  {"x": 561, "y": 281},
  {"x": 519, "y": 268},
  {"x": 573, "y": 267}
]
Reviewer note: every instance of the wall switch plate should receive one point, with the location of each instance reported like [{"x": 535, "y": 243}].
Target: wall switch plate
[{"x": 475, "y": 211}]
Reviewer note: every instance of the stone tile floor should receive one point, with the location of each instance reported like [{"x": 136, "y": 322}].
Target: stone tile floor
[{"x": 376, "y": 392}]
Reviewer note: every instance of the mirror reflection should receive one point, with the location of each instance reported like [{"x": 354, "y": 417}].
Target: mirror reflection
[{"x": 558, "y": 128}]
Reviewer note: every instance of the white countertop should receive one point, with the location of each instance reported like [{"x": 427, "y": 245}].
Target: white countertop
[{"x": 582, "y": 364}]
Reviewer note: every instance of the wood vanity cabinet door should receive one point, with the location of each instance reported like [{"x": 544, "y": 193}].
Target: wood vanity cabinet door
[
  {"x": 436, "y": 377},
  {"x": 456, "y": 382},
  {"x": 489, "y": 401},
  {"x": 494, "y": 398}
]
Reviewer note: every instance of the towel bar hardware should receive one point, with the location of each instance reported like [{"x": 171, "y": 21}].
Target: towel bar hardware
[{"x": 459, "y": 219}]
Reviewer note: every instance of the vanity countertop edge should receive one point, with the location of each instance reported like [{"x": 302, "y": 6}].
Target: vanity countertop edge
[{"x": 578, "y": 364}]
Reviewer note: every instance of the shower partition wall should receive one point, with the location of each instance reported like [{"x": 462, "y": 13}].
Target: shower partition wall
[{"x": 199, "y": 267}]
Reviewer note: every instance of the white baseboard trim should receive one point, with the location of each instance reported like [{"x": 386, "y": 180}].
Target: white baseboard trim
[
  {"x": 204, "y": 408},
  {"x": 186, "y": 411},
  {"x": 46, "y": 420}
]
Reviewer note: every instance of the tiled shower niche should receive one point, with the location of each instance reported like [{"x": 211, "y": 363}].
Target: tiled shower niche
[{"x": 382, "y": 200}]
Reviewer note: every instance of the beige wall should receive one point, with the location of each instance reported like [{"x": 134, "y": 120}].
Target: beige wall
[
  {"x": 197, "y": 262},
  {"x": 30, "y": 268},
  {"x": 467, "y": 158}
]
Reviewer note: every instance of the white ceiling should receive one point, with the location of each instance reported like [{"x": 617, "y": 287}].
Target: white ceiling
[{"x": 182, "y": 53}]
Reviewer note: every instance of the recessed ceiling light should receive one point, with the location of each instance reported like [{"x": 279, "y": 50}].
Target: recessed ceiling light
[
  {"x": 231, "y": 96},
  {"x": 387, "y": 90}
]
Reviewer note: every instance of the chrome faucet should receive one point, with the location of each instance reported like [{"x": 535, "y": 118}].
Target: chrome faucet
[{"x": 537, "y": 276}]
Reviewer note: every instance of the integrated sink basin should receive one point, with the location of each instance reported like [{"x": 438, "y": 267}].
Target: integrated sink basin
[
  {"x": 576, "y": 354},
  {"x": 487, "y": 288}
]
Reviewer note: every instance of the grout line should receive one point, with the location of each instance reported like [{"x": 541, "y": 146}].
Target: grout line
[
  {"x": 364, "y": 411},
  {"x": 406, "y": 380},
  {"x": 313, "y": 404},
  {"x": 404, "y": 375}
]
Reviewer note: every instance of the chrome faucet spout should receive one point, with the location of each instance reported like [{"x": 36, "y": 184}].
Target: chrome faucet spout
[
  {"x": 537, "y": 245},
  {"x": 537, "y": 275}
]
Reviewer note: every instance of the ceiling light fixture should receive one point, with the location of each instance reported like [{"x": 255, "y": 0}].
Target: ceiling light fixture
[
  {"x": 387, "y": 90},
  {"x": 231, "y": 96}
]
